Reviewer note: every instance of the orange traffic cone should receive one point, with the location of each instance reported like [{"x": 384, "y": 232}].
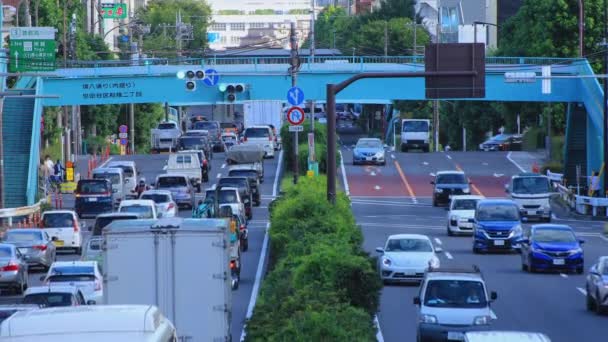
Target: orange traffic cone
[{"x": 535, "y": 168}]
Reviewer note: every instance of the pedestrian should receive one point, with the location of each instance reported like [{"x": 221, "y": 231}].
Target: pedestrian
[
  {"x": 49, "y": 164},
  {"x": 59, "y": 171},
  {"x": 594, "y": 184}
]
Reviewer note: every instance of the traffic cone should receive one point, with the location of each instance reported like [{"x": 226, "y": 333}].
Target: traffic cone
[{"x": 535, "y": 168}]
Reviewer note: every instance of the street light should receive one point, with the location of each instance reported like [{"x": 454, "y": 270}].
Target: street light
[{"x": 475, "y": 23}]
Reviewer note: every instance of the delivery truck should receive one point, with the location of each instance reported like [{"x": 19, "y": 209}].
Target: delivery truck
[
  {"x": 263, "y": 112},
  {"x": 179, "y": 265}
]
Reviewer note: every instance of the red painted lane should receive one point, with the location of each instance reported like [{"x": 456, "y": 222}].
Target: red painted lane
[
  {"x": 421, "y": 184},
  {"x": 490, "y": 186},
  {"x": 385, "y": 182}
]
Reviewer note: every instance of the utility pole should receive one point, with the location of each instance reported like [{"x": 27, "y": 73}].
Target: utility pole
[
  {"x": 134, "y": 61},
  {"x": 581, "y": 27},
  {"x": 3, "y": 68},
  {"x": 605, "y": 46},
  {"x": 178, "y": 33},
  {"x": 385, "y": 38},
  {"x": 28, "y": 16},
  {"x": 436, "y": 102},
  {"x": 295, "y": 63},
  {"x": 415, "y": 37},
  {"x": 312, "y": 56}
]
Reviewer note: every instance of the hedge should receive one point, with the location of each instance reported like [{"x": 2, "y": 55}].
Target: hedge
[
  {"x": 321, "y": 285},
  {"x": 320, "y": 146}
]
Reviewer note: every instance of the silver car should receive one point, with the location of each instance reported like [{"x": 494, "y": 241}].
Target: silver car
[
  {"x": 35, "y": 244},
  {"x": 369, "y": 150},
  {"x": 597, "y": 286},
  {"x": 13, "y": 269},
  {"x": 92, "y": 251},
  {"x": 180, "y": 187}
]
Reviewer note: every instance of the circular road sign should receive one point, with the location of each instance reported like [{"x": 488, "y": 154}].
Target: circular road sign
[
  {"x": 295, "y": 116},
  {"x": 122, "y": 129}
]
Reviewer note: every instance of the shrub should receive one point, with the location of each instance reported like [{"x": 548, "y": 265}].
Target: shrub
[
  {"x": 287, "y": 141},
  {"x": 553, "y": 166},
  {"x": 533, "y": 139}
]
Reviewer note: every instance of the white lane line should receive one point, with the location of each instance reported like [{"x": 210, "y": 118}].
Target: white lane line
[
  {"x": 432, "y": 174},
  {"x": 437, "y": 241},
  {"x": 515, "y": 163},
  {"x": 343, "y": 170},
  {"x": 104, "y": 163},
  {"x": 563, "y": 275},
  {"x": 377, "y": 188},
  {"x": 448, "y": 255},
  {"x": 493, "y": 315},
  {"x": 379, "y": 336},
  {"x": 392, "y": 156},
  {"x": 219, "y": 175},
  {"x": 258, "y": 273},
  {"x": 582, "y": 290},
  {"x": 449, "y": 156},
  {"x": 223, "y": 166},
  {"x": 425, "y": 163}
]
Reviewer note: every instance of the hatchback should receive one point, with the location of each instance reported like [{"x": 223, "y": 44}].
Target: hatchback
[
  {"x": 551, "y": 247},
  {"x": 93, "y": 197},
  {"x": 165, "y": 205},
  {"x": 64, "y": 225}
]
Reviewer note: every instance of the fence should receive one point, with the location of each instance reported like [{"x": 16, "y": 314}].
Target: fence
[{"x": 22, "y": 217}]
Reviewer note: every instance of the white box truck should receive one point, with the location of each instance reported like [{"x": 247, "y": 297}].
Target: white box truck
[
  {"x": 415, "y": 133},
  {"x": 179, "y": 265},
  {"x": 263, "y": 112}
]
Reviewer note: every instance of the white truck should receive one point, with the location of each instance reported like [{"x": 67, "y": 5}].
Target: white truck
[
  {"x": 179, "y": 265},
  {"x": 415, "y": 133},
  {"x": 165, "y": 136},
  {"x": 186, "y": 164},
  {"x": 263, "y": 112}
]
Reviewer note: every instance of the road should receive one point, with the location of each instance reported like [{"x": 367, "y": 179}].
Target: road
[
  {"x": 152, "y": 165},
  {"x": 396, "y": 199}
]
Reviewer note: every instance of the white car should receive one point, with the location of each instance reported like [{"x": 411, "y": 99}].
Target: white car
[
  {"x": 262, "y": 136},
  {"x": 406, "y": 257},
  {"x": 145, "y": 208},
  {"x": 461, "y": 209},
  {"x": 84, "y": 275},
  {"x": 165, "y": 205},
  {"x": 229, "y": 196},
  {"x": 130, "y": 174},
  {"x": 65, "y": 226}
]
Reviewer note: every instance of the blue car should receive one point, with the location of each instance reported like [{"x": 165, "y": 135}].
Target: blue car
[
  {"x": 496, "y": 226},
  {"x": 551, "y": 247}
]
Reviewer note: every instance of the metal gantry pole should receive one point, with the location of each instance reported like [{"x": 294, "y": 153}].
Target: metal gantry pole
[
  {"x": 605, "y": 45},
  {"x": 294, "y": 70}
]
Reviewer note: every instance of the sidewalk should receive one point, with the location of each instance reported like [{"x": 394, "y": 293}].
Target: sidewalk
[{"x": 524, "y": 160}]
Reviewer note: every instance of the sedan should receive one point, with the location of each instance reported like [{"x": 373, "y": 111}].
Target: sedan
[
  {"x": 502, "y": 142},
  {"x": 84, "y": 275},
  {"x": 369, "y": 150},
  {"x": 597, "y": 286},
  {"x": 165, "y": 205},
  {"x": 406, "y": 257},
  {"x": 551, "y": 247},
  {"x": 13, "y": 269},
  {"x": 35, "y": 244}
]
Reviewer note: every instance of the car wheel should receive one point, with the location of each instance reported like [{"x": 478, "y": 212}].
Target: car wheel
[
  {"x": 450, "y": 232},
  {"x": 599, "y": 309},
  {"x": 590, "y": 302},
  {"x": 403, "y": 148},
  {"x": 244, "y": 245}
]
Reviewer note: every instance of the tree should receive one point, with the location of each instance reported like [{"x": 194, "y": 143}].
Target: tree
[{"x": 394, "y": 9}]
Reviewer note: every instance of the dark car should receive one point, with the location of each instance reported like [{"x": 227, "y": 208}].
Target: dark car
[
  {"x": 502, "y": 142},
  {"x": 192, "y": 142},
  {"x": 214, "y": 129},
  {"x": 448, "y": 183},
  {"x": 242, "y": 183},
  {"x": 254, "y": 183},
  {"x": 105, "y": 219},
  {"x": 93, "y": 197}
]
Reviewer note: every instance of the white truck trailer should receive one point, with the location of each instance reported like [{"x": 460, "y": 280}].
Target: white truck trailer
[
  {"x": 263, "y": 112},
  {"x": 179, "y": 265}
]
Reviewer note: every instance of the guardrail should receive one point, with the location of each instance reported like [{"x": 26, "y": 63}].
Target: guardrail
[
  {"x": 585, "y": 205},
  {"x": 29, "y": 215}
]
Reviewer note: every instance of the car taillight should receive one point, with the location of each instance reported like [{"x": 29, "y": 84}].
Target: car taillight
[
  {"x": 75, "y": 227},
  {"x": 205, "y": 162},
  {"x": 242, "y": 227},
  {"x": 40, "y": 247},
  {"x": 10, "y": 267},
  {"x": 77, "y": 195},
  {"x": 171, "y": 206},
  {"x": 232, "y": 264},
  {"x": 97, "y": 285}
]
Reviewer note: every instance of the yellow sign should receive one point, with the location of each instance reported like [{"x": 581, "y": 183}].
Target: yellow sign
[
  {"x": 310, "y": 173},
  {"x": 123, "y": 150},
  {"x": 69, "y": 174}
]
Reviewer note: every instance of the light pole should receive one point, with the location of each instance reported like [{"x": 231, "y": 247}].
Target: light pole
[{"x": 475, "y": 23}]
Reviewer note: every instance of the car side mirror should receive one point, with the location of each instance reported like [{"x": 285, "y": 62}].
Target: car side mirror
[
  {"x": 416, "y": 300},
  {"x": 493, "y": 295},
  {"x": 91, "y": 302},
  {"x": 581, "y": 241},
  {"x": 380, "y": 250}
]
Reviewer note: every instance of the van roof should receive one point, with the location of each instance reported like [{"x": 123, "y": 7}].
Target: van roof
[
  {"x": 178, "y": 223},
  {"x": 108, "y": 170},
  {"x": 81, "y": 319}
]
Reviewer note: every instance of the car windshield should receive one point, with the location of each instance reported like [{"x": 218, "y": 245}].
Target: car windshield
[
  {"x": 530, "y": 185},
  {"x": 226, "y": 196},
  {"x": 464, "y": 204},
  {"x": 243, "y": 173},
  {"x": 500, "y": 138},
  {"x": 257, "y": 132},
  {"x": 205, "y": 125},
  {"x": 415, "y": 126},
  {"x": 497, "y": 212},
  {"x": 553, "y": 235},
  {"x": 408, "y": 245},
  {"x": 143, "y": 210},
  {"x": 604, "y": 268},
  {"x": 192, "y": 142},
  {"x": 101, "y": 222},
  {"x": 49, "y": 299},
  {"x": 21, "y": 236},
  {"x": 71, "y": 278},
  {"x": 56, "y": 220},
  {"x": 167, "y": 126},
  {"x": 450, "y": 178},
  {"x": 6, "y": 252},
  {"x": 157, "y": 198},
  {"x": 455, "y": 294},
  {"x": 233, "y": 182},
  {"x": 92, "y": 187},
  {"x": 112, "y": 177},
  {"x": 126, "y": 169},
  {"x": 369, "y": 144},
  {"x": 169, "y": 182}
]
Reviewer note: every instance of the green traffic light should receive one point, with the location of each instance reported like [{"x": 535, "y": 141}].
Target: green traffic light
[{"x": 222, "y": 87}]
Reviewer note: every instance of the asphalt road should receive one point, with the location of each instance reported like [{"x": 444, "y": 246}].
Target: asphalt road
[
  {"x": 396, "y": 199},
  {"x": 152, "y": 165}
]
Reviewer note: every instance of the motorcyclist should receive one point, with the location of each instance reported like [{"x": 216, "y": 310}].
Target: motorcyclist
[
  {"x": 202, "y": 210},
  {"x": 141, "y": 187}
]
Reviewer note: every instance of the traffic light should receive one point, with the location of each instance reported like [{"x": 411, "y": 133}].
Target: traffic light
[
  {"x": 191, "y": 76},
  {"x": 231, "y": 89}
]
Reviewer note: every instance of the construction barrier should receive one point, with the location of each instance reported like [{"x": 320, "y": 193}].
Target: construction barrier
[{"x": 21, "y": 217}]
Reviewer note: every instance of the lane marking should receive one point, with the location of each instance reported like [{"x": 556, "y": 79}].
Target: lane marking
[
  {"x": 484, "y": 164},
  {"x": 515, "y": 163},
  {"x": 377, "y": 188},
  {"x": 563, "y": 275},
  {"x": 493, "y": 315},
  {"x": 448, "y": 255},
  {"x": 438, "y": 241},
  {"x": 432, "y": 174},
  {"x": 553, "y": 217},
  {"x": 582, "y": 291},
  {"x": 165, "y": 167},
  {"x": 107, "y": 161},
  {"x": 219, "y": 175},
  {"x": 392, "y": 156},
  {"x": 449, "y": 156},
  {"x": 473, "y": 186},
  {"x": 379, "y": 336},
  {"x": 425, "y": 163},
  {"x": 223, "y": 166},
  {"x": 407, "y": 184},
  {"x": 343, "y": 170},
  {"x": 275, "y": 186},
  {"x": 415, "y": 204}
]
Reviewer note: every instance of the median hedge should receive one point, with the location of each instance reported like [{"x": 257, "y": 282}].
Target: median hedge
[
  {"x": 321, "y": 285},
  {"x": 320, "y": 146}
]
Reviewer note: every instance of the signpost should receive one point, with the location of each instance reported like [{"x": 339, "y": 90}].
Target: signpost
[
  {"x": 124, "y": 138},
  {"x": 32, "y": 49},
  {"x": 295, "y": 96},
  {"x": 113, "y": 11},
  {"x": 295, "y": 116}
]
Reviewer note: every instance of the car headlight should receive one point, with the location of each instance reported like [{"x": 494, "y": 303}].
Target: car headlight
[
  {"x": 434, "y": 262},
  {"x": 479, "y": 230},
  {"x": 438, "y": 191},
  {"x": 453, "y": 218},
  {"x": 386, "y": 261},
  {"x": 576, "y": 251},
  {"x": 466, "y": 190},
  {"x": 429, "y": 319},
  {"x": 482, "y": 320},
  {"x": 516, "y": 231},
  {"x": 380, "y": 155}
]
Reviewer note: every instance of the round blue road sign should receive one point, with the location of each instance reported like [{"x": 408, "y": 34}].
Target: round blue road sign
[
  {"x": 124, "y": 141},
  {"x": 211, "y": 77}
]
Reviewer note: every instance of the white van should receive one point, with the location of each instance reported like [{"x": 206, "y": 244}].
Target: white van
[
  {"x": 130, "y": 172},
  {"x": 261, "y": 135},
  {"x": 415, "y": 133},
  {"x": 186, "y": 164},
  {"x": 117, "y": 177},
  {"x": 96, "y": 323},
  {"x": 532, "y": 193}
]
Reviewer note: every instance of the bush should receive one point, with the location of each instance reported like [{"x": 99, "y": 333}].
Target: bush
[
  {"x": 320, "y": 141},
  {"x": 321, "y": 285},
  {"x": 533, "y": 139},
  {"x": 95, "y": 144},
  {"x": 553, "y": 166}
]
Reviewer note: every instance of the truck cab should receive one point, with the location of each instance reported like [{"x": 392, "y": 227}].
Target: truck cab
[
  {"x": 532, "y": 193},
  {"x": 415, "y": 133}
]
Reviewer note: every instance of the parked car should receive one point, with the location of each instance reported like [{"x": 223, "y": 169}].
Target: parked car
[
  {"x": 406, "y": 257},
  {"x": 93, "y": 197},
  {"x": 502, "y": 142},
  {"x": 447, "y": 184},
  {"x": 551, "y": 247},
  {"x": 84, "y": 275},
  {"x": 65, "y": 226},
  {"x": 7, "y": 310},
  {"x": 180, "y": 187},
  {"x": 597, "y": 286},
  {"x": 461, "y": 210},
  {"x": 496, "y": 226},
  {"x": 54, "y": 296},
  {"x": 35, "y": 244},
  {"x": 165, "y": 205},
  {"x": 103, "y": 220},
  {"x": 13, "y": 269},
  {"x": 369, "y": 150},
  {"x": 144, "y": 208}
]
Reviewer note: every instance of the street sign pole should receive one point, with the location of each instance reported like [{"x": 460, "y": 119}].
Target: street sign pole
[{"x": 294, "y": 70}]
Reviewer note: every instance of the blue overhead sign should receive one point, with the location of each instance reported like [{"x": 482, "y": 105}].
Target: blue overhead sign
[
  {"x": 295, "y": 96},
  {"x": 211, "y": 77}
]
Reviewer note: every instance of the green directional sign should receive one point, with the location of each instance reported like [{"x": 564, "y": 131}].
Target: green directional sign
[
  {"x": 113, "y": 11},
  {"x": 32, "y": 49}
]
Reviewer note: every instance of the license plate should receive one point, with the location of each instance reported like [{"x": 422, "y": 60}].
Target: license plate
[
  {"x": 58, "y": 243},
  {"x": 559, "y": 262},
  {"x": 368, "y": 158},
  {"x": 531, "y": 212},
  {"x": 92, "y": 199},
  {"x": 455, "y": 336},
  {"x": 499, "y": 242}
]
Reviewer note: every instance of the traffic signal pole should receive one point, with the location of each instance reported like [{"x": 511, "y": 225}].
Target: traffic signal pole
[{"x": 295, "y": 63}]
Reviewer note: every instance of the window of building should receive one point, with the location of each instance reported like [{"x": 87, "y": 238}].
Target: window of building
[
  {"x": 218, "y": 27},
  {"x": 257, "y": 25},
  {"x": 237, "y": 27},
  {"x": 450, "y": 20},
  {"x": 235, "y": 40}
]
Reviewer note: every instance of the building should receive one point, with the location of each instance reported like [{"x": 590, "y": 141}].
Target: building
[{"x": 257, "y": 23}]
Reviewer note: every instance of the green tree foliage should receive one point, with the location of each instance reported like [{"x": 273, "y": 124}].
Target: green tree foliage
[{"x": 161, "y": 42}]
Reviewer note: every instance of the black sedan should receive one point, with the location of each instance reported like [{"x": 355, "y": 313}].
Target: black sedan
[
  {"x": 448, "y": 183},
  {"x": 502, "y": 142}
]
